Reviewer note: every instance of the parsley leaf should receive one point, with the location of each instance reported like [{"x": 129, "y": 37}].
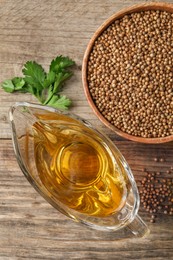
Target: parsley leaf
[
  {"x": 50, "y": 79},
  {"x": 18, "y": 83},
  {"x": 34, "y": 74},
  {"x": 60, "y": 102},
  {"x": 44, "y": 86},
  {"x": 60, "y": 78},
  {"x": 61, "y": 63},
  {"x": 8, "y": 86}
]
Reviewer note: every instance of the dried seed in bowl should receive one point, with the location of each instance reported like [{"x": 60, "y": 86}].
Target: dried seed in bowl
[{"x": 130, "y": 74}]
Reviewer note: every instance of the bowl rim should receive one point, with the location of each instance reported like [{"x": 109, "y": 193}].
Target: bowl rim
[{"x": 162, "y": 6}]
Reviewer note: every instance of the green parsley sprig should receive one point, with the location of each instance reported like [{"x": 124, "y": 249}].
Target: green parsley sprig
[{"x": 46, "y": 87}]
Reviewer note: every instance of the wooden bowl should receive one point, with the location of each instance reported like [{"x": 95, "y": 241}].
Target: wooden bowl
[{"x": 136, "y": 8}]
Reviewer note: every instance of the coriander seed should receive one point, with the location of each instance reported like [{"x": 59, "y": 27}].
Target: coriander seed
[{"x": 130, "y": 74}]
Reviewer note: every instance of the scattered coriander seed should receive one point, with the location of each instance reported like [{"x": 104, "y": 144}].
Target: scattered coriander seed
[
  {"x": 156, "y": 159},
  {"x": 157, "y": 194},
  {"x": 152, "y": 220},
  {"x": 162, "y": 159}
]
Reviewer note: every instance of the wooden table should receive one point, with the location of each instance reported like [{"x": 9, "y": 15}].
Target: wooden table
[{"x": 29, "y": 227}]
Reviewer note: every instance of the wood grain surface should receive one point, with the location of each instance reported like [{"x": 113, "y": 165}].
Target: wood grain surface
[{"x": 29, "y": 227}]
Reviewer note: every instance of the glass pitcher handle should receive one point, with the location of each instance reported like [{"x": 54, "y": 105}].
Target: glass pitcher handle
[{"x": 138, "y": 227}]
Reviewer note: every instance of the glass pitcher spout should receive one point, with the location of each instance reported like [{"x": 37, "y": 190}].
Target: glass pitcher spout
[{"x": 77, "y": 169}]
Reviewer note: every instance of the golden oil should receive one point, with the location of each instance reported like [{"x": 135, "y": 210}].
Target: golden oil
[{"x": 77, "y": 167}]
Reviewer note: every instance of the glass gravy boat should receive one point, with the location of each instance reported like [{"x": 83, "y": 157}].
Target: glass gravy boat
[{"x": 77, "y": 169}]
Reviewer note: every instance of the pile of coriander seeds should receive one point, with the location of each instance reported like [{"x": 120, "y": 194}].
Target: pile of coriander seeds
[
  {"x": 130, "y": 74},
  {"x": 156, "y": 192}
]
